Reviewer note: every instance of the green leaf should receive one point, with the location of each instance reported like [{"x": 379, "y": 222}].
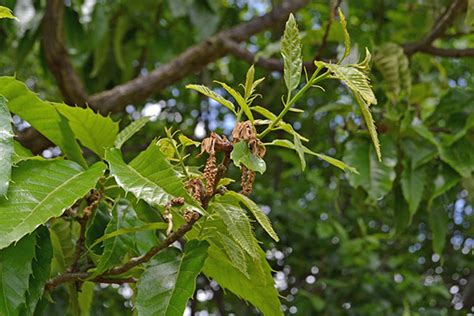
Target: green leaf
[
  {"x": 6, "y": 13},
  {"x": 459, "y": 156},
  {"x": 115, "y": 248},
  {"x": 291, "y": 53},
  {"x": 257, "y": 212},
  {"x": 41, "y": 115},
  {"x": 392, "y": 62},
  {"x": 333, "y": 161},
  {"x": 347, "y": 38},
  {"x": 236, "y": 222},
  {"x": 234, "y": 252},
  {"x": 241, "y": 154},
  {"x": 445, "y": 179},
  {"x": 413, "y": 184},
  {"x": 439, "y": 227},
  {"x": 93, "y": 130},
  {"x": 259, "y": 288},
  {"x": 186, "y": 141},
  {"x": 41, "y": 268},
  {"x": 130, "y": 230},
  {"x": 149, "y": 177},
  {"x": 130, "y": 130},
  {"x": 369, "y": 122},
  {"x": 469, "y": 19},
  {"x": 121, "y": 29},
  {"x": 355, "y": 79},
  {"x": 264, "y": 112},
  {"x": 239, "y": 99},
  {"x": 299, "y": 148},
  {"x": 6, "y": 146},
  {"x": 167, "y": 285},
  {"x": 211, "y": 94},
  {"x": 21, "y": 153},
  {"x": 15, "y": 272},
  {"x": 375, "y": 177},
  {"x": 86, "y": 295},
  {"x": 40, "y": 190},
  {"x": 250, "y": 85}
]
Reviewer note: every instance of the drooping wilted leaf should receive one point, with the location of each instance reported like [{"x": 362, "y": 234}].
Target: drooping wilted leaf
[
  {"x": 6, "y": 146},
  {"x": 40, "y": 190},
  {"x": 291, "y": 53},
  {"x": 170, "y": 280}
]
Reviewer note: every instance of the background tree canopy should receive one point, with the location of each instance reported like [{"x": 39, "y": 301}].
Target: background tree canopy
[{"x": 389, "y": 236}]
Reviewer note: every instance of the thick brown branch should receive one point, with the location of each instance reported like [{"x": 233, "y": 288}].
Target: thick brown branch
[
  {"x": 104, "y": 278},
  {"x": 448, "y": 52},
  {"x": 441, "y": 25},
  {"x": 190, "y": 61},
  {"x": 56, "y": 54}
]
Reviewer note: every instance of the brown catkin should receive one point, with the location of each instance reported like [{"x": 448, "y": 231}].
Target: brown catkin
[
  {"x": 247, "y": 179},
  {"x": 210, "y": 172}
]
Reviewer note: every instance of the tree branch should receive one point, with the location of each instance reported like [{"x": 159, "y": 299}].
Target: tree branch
[
  {"x": 439, "y": 28},
  {"x": 190, "y": 61},
  {"x": 74, "y": 276},
  {"x": 448, "y": 52},
  {"x": 56, "y": 55}
]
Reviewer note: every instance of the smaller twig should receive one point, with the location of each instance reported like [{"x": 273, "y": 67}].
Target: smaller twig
[
  {"x": 182, "y": 230},
  {"x": 332, "y": 14}
]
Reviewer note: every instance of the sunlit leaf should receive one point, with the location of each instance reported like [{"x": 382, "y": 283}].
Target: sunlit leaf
[
  {"x": 241, "y": 155},
  {"x": 211, "y": 94},
  {"x": 6, "y": 146},
  {"x": 130, "y": 130},
  {"x": 291, "y": 52}
]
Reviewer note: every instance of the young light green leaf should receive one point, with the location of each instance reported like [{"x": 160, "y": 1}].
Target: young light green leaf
[
  {"x": 42, "y": 115},
  {"x": 369, "y": 122},
  {"x": 257, "y": 212},
  {"x": 6, "y": 13},
  {"x": 355, "y": 79},
  {"x": 170, "y": 281},
  {"x": 347, "y": 38},
  {"x": 239, "y": 99},
  {"x": 299, "y": 148},
  {"x": 291, "y": 53},
  {"x": 93, "y": 130},
  {"x": 333, "y": 161},
  {"x": 241, "y": 155},
  {"x": 6, "y": 146},
  {"x": 211, "y": 94},
  {"x": 85, "y": 298},
  {"x": 264, "y": 112},
  {"x": 130, "y": 130},
  {"x": 249, "y": 78},
  {"x": 40, "y": 190},
  {"x": 186, "y": 141}
]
